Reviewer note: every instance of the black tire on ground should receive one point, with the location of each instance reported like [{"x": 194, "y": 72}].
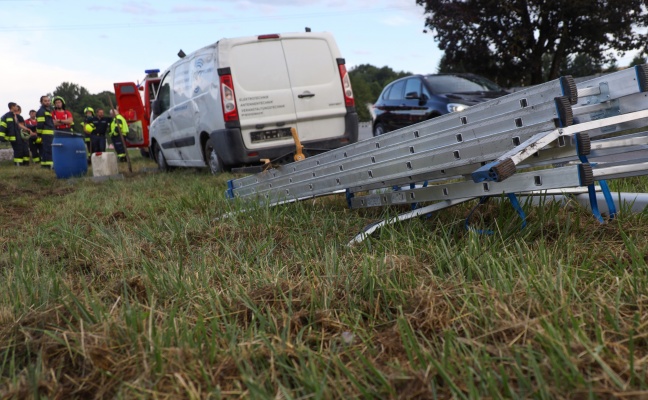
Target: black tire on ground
[
  {"x": 161, "y": 161},
  {"x": 379, "y": 129},
  {"x": 214, "y": 163}
]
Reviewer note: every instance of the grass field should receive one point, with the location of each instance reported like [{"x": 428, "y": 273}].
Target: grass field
[{"x": 138, "y": 288}]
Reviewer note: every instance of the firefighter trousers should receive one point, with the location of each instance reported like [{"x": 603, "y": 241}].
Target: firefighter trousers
[
  {"x": 20, "y": 150},
  {"x": 35, "y": 149},
  {"x": 46, "y": 153},
  {"x": 119, "y": 147},
  {"x": 98, "y": 143}
]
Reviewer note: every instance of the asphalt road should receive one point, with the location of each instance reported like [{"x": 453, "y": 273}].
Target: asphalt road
[{"x": 364, "y": 130}]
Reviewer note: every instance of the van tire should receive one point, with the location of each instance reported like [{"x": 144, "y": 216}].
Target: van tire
[
  {"x": 214, "y": 163},
  {"x": 379, "y": 129},
  {"x": 161, "y": 161}
]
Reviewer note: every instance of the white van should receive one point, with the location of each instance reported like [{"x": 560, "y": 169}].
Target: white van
[{"x": 233, "y": 103}]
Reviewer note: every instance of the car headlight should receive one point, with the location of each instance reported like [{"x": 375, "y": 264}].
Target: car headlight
[{"x": 456, "y": 107}]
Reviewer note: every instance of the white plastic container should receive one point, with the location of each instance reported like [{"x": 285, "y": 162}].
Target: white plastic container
[{"x": 104, "y": 164}]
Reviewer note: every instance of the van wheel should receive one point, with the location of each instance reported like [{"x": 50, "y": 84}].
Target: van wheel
[
  {"x": 161, "y": 161},
  {"x": 379, "y": 129},
  {"x": 214, "y": 162}
]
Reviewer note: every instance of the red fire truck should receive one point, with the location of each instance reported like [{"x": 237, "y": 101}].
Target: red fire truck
[{"x": 134, "y": 102}]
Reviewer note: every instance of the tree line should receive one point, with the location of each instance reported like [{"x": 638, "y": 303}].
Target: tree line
[
  {"x": 512, "y": 42},
  {"x": 367, "y": 81}
]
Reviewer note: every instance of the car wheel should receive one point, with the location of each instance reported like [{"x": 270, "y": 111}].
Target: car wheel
[
  {"x": 379, "y": 129},
  {"x": 161, "y": 161},
  {"x": 214, "y": 162}
]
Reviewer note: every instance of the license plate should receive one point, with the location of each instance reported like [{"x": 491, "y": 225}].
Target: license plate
[{"x": 270, "y": 135}]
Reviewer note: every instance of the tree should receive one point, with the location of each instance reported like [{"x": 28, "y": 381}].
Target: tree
[
  {"x": 77, "y": 98},
  {"x": 637, "y": 60},
  {"x": 582, "y": 65},
  {"x": 506, "y": 40}
]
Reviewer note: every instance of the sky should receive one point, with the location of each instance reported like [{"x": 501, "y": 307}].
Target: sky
[{"x": 94, "y": 44}]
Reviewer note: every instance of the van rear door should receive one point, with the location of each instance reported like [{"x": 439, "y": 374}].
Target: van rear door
[
  {"x": 286, "y": 81},
  {"x": 131, "y": 108},
  {"x": 316, "y": 87},
  {"x": 263, "y": 94}
]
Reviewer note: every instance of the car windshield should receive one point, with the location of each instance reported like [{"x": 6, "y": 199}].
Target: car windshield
[{"x": 459, "y": 84}]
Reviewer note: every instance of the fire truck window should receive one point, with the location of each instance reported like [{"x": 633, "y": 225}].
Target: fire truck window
[{"x": 127, "y": 89}]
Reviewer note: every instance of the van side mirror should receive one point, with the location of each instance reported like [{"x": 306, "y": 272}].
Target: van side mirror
[{"x": 156, "y": 107}]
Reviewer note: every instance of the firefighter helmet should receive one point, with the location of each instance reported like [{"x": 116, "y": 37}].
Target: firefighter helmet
[
  {"x": 88, "y": 109},
  {"x": 58, "y": 98},
  {"x": 88, "y": 128}
]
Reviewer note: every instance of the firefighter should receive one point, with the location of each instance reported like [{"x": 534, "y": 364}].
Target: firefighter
[
  {"x": 34, "y": 139},
  {"x": 24, "y": 133},
  {"x": 63, "y": 120},
  {"x": 98, "y": 135},
  {"x": 88, "y": 128},
  {"x": 45, "y": 128},
  {"x": 118, "y": 125},
  {"x": 10, "y": 126}
]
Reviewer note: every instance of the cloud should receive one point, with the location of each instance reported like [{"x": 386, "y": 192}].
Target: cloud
[
  {"x": 27, "y": 78},
  {"x": 142, "y": 8},
  {"x": 101, "y": 8},
  {"x": 195, "y": 9},
  {"x": 397, "y": 21}
]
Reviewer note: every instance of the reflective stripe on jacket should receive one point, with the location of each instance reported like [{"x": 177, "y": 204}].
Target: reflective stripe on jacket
[
  {"x": 8, "y": 127},
  {"x": 44, "y": 121},
  {"x": 120, "y": 122}
]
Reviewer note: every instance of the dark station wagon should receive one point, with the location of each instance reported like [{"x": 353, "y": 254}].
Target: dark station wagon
[{"x": 417, "y": 98}]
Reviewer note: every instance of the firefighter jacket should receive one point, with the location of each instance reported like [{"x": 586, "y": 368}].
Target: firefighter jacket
[
  {"x": 44, "y": 121},
  {"x": 31, "y": 124},
  {"x": 101, "y": 125},
  {"x": 118, "y": 124},
  {"x": 89, "y": 126},
  {"x": 59, "y": 115},
  {"x": 9, "y": 128}
]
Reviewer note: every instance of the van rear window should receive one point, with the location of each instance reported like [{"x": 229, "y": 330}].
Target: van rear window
[
  {"x": 310, "y": 62},
  {"x": 260, "y": 66}
]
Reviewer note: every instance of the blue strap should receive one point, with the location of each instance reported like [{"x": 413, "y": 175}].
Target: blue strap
[
  {"x": 593, "y": 203},
  {"x": 349, "y": 196},
  {"x": 516, "y": 205},
  {"x": 414, "y": 205},
  {"x": 608, "y": 198},
  {"x": 230, "y": 189},
  {"x": 591, "y": 190},
  {"x": 482, "y": 200}
]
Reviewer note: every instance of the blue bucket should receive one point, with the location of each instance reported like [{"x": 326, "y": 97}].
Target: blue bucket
[{"x": 69, "y": 155}]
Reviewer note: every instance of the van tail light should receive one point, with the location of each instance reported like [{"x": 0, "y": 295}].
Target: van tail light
[
  {"x": 346, "y": 84},
  {"x": 228, "y": 100}
]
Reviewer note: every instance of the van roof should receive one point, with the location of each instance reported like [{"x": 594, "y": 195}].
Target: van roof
[{"x": 229, "y": 42}]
